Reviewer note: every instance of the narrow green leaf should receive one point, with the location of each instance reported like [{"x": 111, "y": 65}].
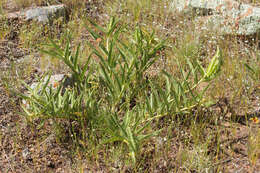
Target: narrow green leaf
[{"x": 97, "y": 26}]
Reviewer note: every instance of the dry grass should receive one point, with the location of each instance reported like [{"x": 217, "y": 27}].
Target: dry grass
[{"x": 213, "y": 138}]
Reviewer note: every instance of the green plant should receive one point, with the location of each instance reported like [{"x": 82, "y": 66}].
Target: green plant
[
  {"x": 122, "y": 68},
  {"x": 180, "y": 95},
  {"x": 115, "y": 94},
  {"x": 61, "y": 103},
  {"x": 129, "y": 131},
  {"x": 253, "y": 71},
  {"x": 122, "y": 65},
  {"x": 120, "y": 74},
  {"x": 73, "y": 100},
  {"x": 79, "y": 73}
]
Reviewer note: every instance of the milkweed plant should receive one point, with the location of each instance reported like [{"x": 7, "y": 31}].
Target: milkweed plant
[{"x": 111, "y": 91}]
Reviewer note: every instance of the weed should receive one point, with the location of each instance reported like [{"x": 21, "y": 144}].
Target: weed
[
  {"x": 121, "y": 73},
  {"x": 133, "y": 97}
]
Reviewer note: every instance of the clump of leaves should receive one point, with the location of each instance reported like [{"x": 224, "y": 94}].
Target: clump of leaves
[
  {"x": 180, "y": 95},
  {"x": 113, "y": 92},
  {"x": 120, "y": 73}
]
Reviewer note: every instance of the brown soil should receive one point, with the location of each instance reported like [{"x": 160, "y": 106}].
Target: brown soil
[{"x": 22, "y": 151}]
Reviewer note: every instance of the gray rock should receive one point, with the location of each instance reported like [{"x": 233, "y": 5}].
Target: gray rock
[
  {"x": 54, "y": 83},
  {"x": 227, "y": 16},
  {"x": 45, "y": 14},
  {"x": 26, "y": 154},
  {"x": 40, "y": 14},
  {"x": 204, "y": 5}
]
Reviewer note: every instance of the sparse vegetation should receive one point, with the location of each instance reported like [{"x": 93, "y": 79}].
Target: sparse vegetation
[{"x": 145, "y": 91}]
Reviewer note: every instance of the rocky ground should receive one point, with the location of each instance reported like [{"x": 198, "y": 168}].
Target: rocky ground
[{"x": 21, "y": 150}]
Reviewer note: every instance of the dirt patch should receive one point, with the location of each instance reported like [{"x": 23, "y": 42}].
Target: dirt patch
[{"x": 25, "y": 148}]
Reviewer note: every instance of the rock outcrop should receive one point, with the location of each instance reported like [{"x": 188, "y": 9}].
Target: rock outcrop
[
  {"x": 228, "y": 16},
  {"x": 40, "y": 14},
  {"x": 45, "y": 14}
]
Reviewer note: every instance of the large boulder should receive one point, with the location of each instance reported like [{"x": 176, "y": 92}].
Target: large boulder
[{"x": 228, "y": 16}]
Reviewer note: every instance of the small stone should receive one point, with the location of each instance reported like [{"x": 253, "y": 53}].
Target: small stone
[
  {"x": 54, "y": 82},
  {"x": 51, "y": 164},
  {"x": 26, "y": 154}
]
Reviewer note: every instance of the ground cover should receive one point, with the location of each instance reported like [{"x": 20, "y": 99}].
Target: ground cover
[{"x": 149, "y": 92}]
